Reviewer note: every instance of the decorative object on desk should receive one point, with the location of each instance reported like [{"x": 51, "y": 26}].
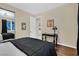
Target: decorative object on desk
[
  {"x": 50, "y": 23},
  {"x": 23, "y": 26},
  {"x": 54, "y": 28}
]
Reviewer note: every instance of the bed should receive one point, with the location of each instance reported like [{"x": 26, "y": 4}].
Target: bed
[{"x": 27, "y": 47}]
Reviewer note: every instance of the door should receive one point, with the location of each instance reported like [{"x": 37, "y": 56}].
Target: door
[
  {"x": 33, "y": 27},
  {"x": 38, "y": 28}
]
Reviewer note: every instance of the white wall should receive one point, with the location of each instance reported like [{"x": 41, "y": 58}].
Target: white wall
[{"x": 66, "y": 20}]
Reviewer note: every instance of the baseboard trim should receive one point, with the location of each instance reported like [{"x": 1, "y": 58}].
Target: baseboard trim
[{"x": 67, "y": 45}]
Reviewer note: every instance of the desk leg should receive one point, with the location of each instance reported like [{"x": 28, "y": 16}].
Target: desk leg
[
  {"x": 56, "y": 39},
  {"x": 42, "y": 37},
  {"x": 45, "y": 38}
]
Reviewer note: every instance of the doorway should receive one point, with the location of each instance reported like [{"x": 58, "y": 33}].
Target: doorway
[{"x": 35, "y": 27}]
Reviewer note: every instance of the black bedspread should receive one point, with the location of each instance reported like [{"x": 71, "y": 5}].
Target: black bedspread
[{"x": 35, "y": 47}]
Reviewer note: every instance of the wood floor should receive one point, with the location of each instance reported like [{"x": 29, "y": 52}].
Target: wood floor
[{"x": 65, "y": 51}]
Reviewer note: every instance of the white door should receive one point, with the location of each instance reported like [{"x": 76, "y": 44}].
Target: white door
[
  {"x": 33, "y": 27},
  {"x": 38, "y": 28}
]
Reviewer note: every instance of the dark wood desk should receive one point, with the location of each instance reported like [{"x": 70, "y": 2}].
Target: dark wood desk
[{"x": 55, "y": 37}]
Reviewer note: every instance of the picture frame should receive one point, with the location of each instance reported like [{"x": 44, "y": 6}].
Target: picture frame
[
  {"x": 23, "y": 26},
  {"x": 50, "y": 23}
]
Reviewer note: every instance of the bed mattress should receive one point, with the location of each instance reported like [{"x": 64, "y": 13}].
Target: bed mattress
[
  {"x": 8, "y": 49},
  {"x": 27, "y": 47}
]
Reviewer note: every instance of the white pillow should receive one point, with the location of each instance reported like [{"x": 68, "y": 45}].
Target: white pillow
[{"x": 1, "y": 38}]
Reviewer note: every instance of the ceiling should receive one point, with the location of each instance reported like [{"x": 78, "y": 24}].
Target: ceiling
[{"x": 36, "y": 8}]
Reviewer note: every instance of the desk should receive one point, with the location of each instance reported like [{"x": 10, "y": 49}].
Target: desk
[{"x": 55, "y": 37}]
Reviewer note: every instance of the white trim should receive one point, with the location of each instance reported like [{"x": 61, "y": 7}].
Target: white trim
[{"x": 67, "y": 45}]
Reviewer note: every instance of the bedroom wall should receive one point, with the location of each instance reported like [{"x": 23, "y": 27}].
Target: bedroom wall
[
  {"x": 65, "y": 18},
  {"x": 21, "y": 16}
]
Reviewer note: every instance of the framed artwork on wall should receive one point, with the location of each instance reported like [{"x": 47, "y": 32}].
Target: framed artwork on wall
[
  {"x": 23, "y": 26},
  {"x": 50, "y": 23}
]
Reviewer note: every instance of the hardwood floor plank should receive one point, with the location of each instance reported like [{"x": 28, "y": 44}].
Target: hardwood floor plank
[{"x": 65, "y": 51}]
